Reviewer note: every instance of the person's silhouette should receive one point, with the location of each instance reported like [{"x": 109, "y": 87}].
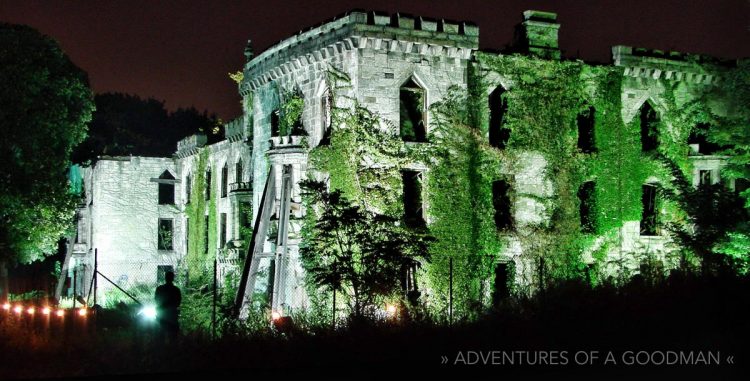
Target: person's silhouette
[{"x": 168, "y": 299}]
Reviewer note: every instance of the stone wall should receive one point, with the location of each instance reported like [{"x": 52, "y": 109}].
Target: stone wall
[{"x": 124, "y": 219}]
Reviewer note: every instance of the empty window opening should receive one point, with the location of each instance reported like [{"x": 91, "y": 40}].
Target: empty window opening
[
  {"x": 161, "y": 273},
  {"x": 205, "y": 235},
  {"x": 223, "y": 229},
  {"x": 704, "y": 178},
  {"x": 245, "y": 214},
  {"x": 502, "y": 286},
  {"x": 166, "y": 189},
  {"x": 325, "y": 117},
  {"x": 166, "y": 234},
  {"x": 411, "y": 111},
  {"x": 275, "y": 123},
  {"x": 586, "y": 207},
  {"x": 649, "y": 216},
  {"x": 208, "y": 185},
  {"x": 698, "y": 142},
  {"x": 224, "y": 180},
  {"x": 188, "y": 188},
  {"x": 413, "y": 208},
  {"x": 238, "y": 171},
  {"x": 649, "y": 133},
  {"x": 498, "y": 103},
  {"x": 585, "y": 121},
  {"x": 501, "y": 203}
]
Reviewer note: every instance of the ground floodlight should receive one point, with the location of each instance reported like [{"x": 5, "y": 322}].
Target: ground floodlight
[
  {"x": 390, "y": 309},
  {"x": 148, "y": 312},
  {"x": 275, "y": 315}
]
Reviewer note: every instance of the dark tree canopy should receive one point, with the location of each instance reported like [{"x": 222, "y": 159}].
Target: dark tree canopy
[
  {"x": 128, "y": 125},
  {"x": 45, "y": 104}
]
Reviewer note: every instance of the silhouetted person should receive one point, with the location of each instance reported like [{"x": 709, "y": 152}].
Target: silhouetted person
[{"x": 168, "y": 299}]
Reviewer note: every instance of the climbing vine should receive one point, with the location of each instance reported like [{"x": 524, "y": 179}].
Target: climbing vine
[
  {"x": 365, "y": 158},
  {"x": 199, "y": 256}
]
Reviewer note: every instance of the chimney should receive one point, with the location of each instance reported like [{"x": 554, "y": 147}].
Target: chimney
[{"x": 537, "y": 34}]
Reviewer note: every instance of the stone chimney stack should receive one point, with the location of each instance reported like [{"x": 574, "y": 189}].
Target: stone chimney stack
[{"x": 537, "y": 34}]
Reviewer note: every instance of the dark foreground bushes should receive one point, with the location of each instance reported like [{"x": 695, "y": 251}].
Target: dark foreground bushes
[{"x": 681, "y": 315}]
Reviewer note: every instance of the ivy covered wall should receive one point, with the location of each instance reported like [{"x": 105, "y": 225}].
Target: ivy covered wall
[
  {"x": 200, "y": 255},
  {"x": 542, "y": 163}
]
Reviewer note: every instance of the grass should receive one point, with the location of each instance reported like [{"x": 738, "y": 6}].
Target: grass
[{"x": 680, "y": 313}]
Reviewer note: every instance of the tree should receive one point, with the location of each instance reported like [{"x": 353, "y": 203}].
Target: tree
[
  {"x": 731, "y": 130},
  {"x": 125, "y": 124},
  {"x": 46, "y": 103},
  {"x": 360, "y": 253},
  {"x": 714, "y": 215}
]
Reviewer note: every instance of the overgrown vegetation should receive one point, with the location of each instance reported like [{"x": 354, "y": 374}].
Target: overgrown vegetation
[
  {"x": 677, "y": 313},
  {"x": 545, "y": 100},
  {"x": 365, "y": 255}
]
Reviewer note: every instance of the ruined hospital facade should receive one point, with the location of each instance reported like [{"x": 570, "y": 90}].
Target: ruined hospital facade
[{"x": 134, "y": 212}]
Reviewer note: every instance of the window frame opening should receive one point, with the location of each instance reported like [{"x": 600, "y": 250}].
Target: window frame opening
[
  {"x": 412, "y": 108},
  {"x": 498, "y": 109},
  {"x": 165, "y": 234},
  {"x": 224, "y": 180},
  {"x": 586, "y": 121},
  {"x": 166, "y": 183},
  {"x": 650, "y": 212},
  {"x": 412, "y": 197},
  {"x": 502, "y": 205},
  {"x": 649, "y": 124}
]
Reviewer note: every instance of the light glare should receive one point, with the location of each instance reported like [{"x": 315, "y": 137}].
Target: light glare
[
  {"x": 149, "y": 312},
  {"x": 390, "y": 309}
]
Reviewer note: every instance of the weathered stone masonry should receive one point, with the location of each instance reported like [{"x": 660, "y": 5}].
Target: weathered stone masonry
[{"x": 379, "y": 54}]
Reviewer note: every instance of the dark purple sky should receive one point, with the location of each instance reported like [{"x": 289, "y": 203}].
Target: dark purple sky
[{"x": 181, "y": 51}]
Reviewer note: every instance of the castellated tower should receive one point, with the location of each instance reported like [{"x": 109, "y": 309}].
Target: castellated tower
[{"x": 381, "y": 56}]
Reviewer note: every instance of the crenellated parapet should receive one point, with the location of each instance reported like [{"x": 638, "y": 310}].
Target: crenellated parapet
[
  {"x": 401, "y": 33},
  {"x": 671, "y": 66},
  {"x": 190, "y": 145},
  {"x": 233, "y": 130}
]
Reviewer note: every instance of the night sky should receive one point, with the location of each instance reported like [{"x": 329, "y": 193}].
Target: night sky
[{"x": 181, "y": 51}]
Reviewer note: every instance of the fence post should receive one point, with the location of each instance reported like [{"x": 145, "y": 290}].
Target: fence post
[
  {"x": 450, "y": 291},
  {"x": 75, "y": 285},
  {"x": 96, "y": 271},
  {"x": 213, "y": 312}
]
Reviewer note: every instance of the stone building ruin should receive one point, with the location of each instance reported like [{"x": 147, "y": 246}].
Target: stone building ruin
[{"x": 139, "y": 213}]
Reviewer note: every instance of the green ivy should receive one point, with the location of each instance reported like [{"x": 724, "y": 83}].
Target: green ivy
[
  {"x": 544, "y": 101},
  {"x": 199, "y": 256}
]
